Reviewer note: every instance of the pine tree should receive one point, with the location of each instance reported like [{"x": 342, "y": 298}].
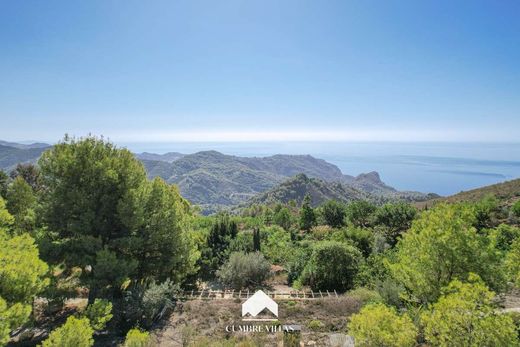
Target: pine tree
[{"x": 307, "y": 214}]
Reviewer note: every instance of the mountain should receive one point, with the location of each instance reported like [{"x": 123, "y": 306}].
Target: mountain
[
  {"x": 24, "y": 146},
  {"x": 506, "y": 193},
  {"x": 169, "y": 157},
  {"x": 214, "y": 180},
  {"x": 10, "y": 156},
  {"x": 295, "y": 188}
]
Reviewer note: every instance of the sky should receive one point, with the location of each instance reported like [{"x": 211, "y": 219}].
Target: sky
[{"x": 269, "y": 70}]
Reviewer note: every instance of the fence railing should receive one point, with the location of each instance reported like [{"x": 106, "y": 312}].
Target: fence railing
[{"x": 245, "y": 294}]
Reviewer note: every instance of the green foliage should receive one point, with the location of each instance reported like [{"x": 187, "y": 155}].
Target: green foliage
[
  {"x": 485, "y": 212},
  {"x": 242, "y": 243},
  {"x": 307, "y": 214},
  {"x": 396, "y": 218},
  {"x": 22, "y": 276},
  {"x": 137, "y": 338},
  {"x": 315, "y": 325},
  {"x": 515, "y": 209},
  {"x": 145, "y": 303},
  {"x": 442, "y": 245},
  {"x": 297, "y": 260},
  {"x": 223, "y": 231},
  {"x": 29, "y": 173},
  {"x": 362, "y": 238},
  {"x": 465, "y": 316},
  {"x": 276, "y": 245},
  {"x": 333, "y": 213},
  {"x": 108, "y": 216},
  {"x": 512, "y": 263},
  {"x": 360, "y": 213},
  {"x": 256, "y": 240},
  {"x": 332, "y": 266},
  {"x": 283, "y": 218},
  {"x": 365, "y": 295},
  {"x": 99, "y": 313},
  {"x": 4, "y": 183},
  {"x": 110, "y": 272},
  {"x": 504, "y": 235},
  {"x": 244, "y": 270},
  {"x": 21, "y": 202},
  {"x": 75, "y": 332},
  {"x": 379, "y": 325},
  {"x": 157, "y": 218},
  {"x": 86, "y": 182}
]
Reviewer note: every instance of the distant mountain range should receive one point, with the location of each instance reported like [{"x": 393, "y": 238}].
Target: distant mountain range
[{"x": 217, "y": 181}]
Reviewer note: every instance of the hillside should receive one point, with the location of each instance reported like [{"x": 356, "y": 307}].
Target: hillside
[
  {"x": 169, "y": 157},
  {"x": 300, "y": 185},
  {"x": 10, "y": 156},
  {"x": 214, "y": 180},
  {"x": 506, "y": 192}
]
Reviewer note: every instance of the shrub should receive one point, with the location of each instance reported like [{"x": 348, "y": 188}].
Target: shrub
[
  {"x": 315, "y": 325},
  {"x": 513, "y": 263},
  {"x": 320, "y": 232},
  {"x": 332, "y": 266},
  {"x": 504, "y": 235},
  {"x": 380, "y": 325},
  {"x": 366, "y": 296},
  {"x": 99, "y": 313},
  {"x": 75, "y": 332},
  {"x": 137, "y": 338},
  {"x": 360, "y": 213},
  {"x": 333, "y": 213},
  {"x": 443, "y": 245},
  {"x": 515, "y": 209},
  {"x": 244, "y": 270},
  {"x": 465, "y": 316},
  {"x": 396, "y": 218},
  {"x": 145, "y": 304}
]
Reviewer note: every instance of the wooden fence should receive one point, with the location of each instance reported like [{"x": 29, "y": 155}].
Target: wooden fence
[{"x": 208, "y": 294}]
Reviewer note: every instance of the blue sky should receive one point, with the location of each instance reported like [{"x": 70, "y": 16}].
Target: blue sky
[{"x": 261, "y": 70}]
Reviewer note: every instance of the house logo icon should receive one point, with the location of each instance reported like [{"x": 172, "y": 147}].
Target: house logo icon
[{"x": 258, "y": 303}]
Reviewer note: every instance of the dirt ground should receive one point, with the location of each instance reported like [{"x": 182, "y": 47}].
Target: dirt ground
[{"x": 196, "y": 322}]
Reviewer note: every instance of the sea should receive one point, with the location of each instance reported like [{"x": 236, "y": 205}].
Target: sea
[{"x": 442, "y": 168}]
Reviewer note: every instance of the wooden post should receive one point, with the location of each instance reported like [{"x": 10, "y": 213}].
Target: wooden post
[
  {"x": 321, "y": 294},
  {"x": 312, "y": 294},
  {"x": 200, "y": 297},
  {"x": 240, "y": 294},
  {"x": 335, "y": 293}
]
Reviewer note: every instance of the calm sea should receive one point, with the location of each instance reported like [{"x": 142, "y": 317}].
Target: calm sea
[{"x": 442, "y": 168}]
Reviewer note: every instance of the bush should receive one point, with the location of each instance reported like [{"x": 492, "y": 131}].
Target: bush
[
  {"x": 315, "y": 325},
  {"x": 512, "y": 263},
  {"x": 465, "y": 316},
  {"x": 332, "y": 266},
  {"x": 396, "y": 218},
  {"x": 379, "y": 325},
  {"x": 145, "y": 304},
  {"x": 362, "y": 238},
  {"x": 504, "y": 235},
  {"x": 99, "y": 313},
  {"x": 297, "y": 261},
  {"x": 360, "y": 213},
  {"x": 244, "y": 270},
  {"x": 137, "y": 338},
  {"x": 333, "y": 213},
  {"x": 443, "y": 245},
  {"x": 515, "y": 209},
  {"x": 75, "y": 332},
  {"x": 365, "y": 296}
]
